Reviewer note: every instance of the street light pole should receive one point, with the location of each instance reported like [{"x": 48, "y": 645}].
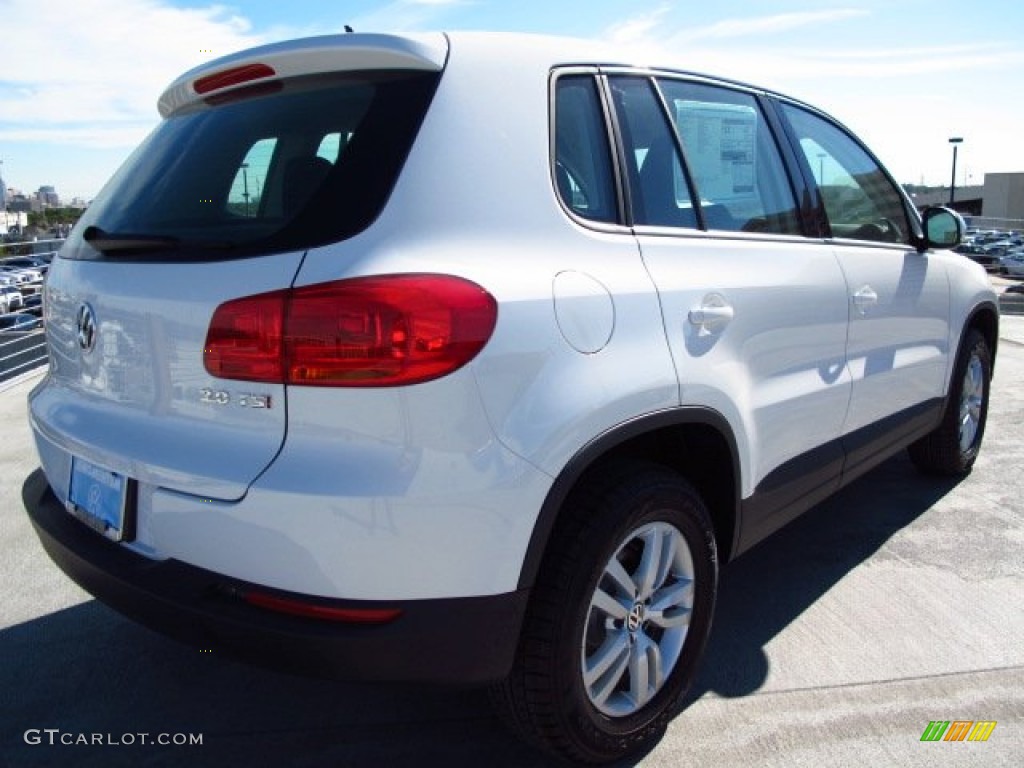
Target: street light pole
[
  {"x": 3, "y": 200},
  {"x": 245, "y": 186},
  {"x": 955, "y": 140}
]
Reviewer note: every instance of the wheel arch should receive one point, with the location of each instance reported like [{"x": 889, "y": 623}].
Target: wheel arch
[
  {"x": 985, "y": 318},
  {"x": 696, "y": 442}
]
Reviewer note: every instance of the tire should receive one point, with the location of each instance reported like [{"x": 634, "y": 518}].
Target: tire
[
  {"x": 618, "y": 618},
  {"x": 953, "y": 446}
]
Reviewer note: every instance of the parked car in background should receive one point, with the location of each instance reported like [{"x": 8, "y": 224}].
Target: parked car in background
[
  {"x": 10, "y": 297},
  {"x": 479, "y": 388},
  {"x": 1012, "y": 264},
  {"x": 19, "y": 323},
  {"x": 989, "y": 247},
  {"x": 23, "y": 277},
  {"x": 33, "y": 304},
  {"x": 33, "y": 263}
]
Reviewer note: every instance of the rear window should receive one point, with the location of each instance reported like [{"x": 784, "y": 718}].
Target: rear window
[{"x": 284, "y": 166}]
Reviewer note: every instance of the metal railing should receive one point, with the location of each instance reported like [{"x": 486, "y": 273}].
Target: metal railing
[
  {"x": 23, "y": 351},
  {"x": 30, "y": 248},
  {"x": 20, "y": 353},
  {"x": 991, "y": 223}
]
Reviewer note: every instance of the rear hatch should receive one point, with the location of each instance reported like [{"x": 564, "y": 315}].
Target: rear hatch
[{"x": 260, "y": 156}]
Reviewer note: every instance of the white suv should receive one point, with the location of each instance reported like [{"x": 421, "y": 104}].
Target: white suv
[
  {"x": 10, "y": 297},
  {"x": 470, "y": 358}
]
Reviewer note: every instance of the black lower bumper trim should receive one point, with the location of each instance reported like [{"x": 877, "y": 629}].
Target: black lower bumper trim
[{"x": 469, "y": 640}]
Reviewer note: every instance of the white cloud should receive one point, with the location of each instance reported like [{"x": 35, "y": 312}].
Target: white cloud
[
  {"x": 651, "y": 28},
  {"x": 903, "y": 100},
  {"x": 638, "y": 28},
  {"x": 766, "y": 25},
  {"x": 98, "y": 136},
  {"x": 401, "y": 16},
  {"x": 92, "y": 67},
  {"x": 80, "y": 79}
]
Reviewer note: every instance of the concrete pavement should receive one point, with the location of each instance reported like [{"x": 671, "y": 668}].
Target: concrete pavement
[{"x": 896, "y": 603}]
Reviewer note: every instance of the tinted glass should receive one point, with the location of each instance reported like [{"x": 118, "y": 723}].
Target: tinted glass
[
  {"x": 583, "y": 169},
  {"x": 733, "y": 159},
  {"x": 309, "y": 162},
  {"x": 659, "y": 193},
  {"x": 860, "y": 200},
  {"x": 246, "y": 191}
]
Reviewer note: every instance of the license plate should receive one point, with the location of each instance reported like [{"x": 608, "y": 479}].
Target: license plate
[{"x": 97, "y": 498}]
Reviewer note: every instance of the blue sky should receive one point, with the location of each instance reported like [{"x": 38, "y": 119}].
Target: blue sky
[{"x": 79, "y": 79}]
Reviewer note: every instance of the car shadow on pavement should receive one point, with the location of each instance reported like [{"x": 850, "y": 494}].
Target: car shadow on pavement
[
  {"x": 770, "y": 586},
  {"x": 86, "y": 670}
]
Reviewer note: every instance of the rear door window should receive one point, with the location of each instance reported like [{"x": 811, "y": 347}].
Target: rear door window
[
  {"x": 659, "y": 191},
  {"x": 733, "y": 159},
  {"x": 701, "y": 156}
]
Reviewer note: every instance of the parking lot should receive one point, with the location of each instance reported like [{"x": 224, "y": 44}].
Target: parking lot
[
  {"x": 22, "y": 347},
  {"x": 837, "y": 641},
  {"x": 1000, "y": 251}
]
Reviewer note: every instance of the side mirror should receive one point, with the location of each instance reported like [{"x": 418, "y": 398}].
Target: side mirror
[{"x": 943, "y": 228}]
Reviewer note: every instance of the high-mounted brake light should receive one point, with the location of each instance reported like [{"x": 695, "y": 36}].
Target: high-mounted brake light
[
  {"x": 234, "y": 76},
  {"x": 381, "y": 331}
]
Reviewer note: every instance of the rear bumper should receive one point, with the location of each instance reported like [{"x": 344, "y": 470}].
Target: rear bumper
[{"x": 468, "y": 640}]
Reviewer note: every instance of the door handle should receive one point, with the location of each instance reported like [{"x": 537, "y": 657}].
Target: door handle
[
  {"x": 864, "y": 298},
  {"x": 713, "y": 314}
]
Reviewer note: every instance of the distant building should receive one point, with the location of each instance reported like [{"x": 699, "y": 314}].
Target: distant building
[
  {"x": 19, "y": 203},
  {"x": 1004, "y": 196},
  {"x": 48, "y": 197},
  {"x": 1000, "y": 198}
]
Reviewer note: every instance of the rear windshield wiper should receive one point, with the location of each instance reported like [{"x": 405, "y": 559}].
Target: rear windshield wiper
[
  {"x": 105, "y": 241},
  {"x": 108, "y": 242}
]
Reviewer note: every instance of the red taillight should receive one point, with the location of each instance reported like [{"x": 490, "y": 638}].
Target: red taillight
[
  {"x": 365, "y": 332},
  {"x": 323, "y": 612},
  {"x": 245, "y": 339},
  {"x": 234, "y": 76}
]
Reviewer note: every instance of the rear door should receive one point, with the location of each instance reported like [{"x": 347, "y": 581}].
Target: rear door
[
  {"x": 127, "y": 388},
  {"x": 755, "y": 313},
  {"x": 221, "y": 202}
]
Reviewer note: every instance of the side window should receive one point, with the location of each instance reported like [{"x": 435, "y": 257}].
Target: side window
[
  {"x": 332, "y": 145},
  {"x": 247, "y": 187},
  {"x": 659, "y": 191},
  {"x": 583, "y": 168},
  {"x": 301, "y": 177},
  {"x": 733, "y": 159},
  {"x": 860, "y": 200}
]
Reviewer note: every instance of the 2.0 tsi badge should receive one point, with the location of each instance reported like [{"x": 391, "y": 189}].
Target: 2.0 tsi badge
[{"x": 224, "y": 397}]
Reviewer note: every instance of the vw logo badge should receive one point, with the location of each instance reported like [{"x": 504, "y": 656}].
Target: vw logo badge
[
  {"x": 86, "y": 328},
  {"x": 636, "y": 618}
]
